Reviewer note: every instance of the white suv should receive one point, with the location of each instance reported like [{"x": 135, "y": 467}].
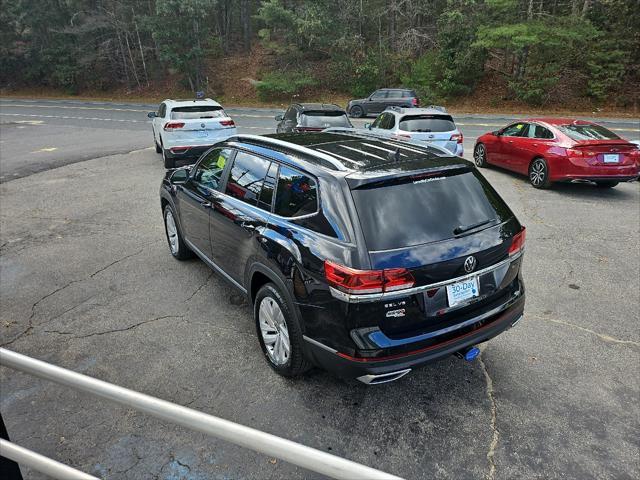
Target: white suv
[
  {"x": 433, "y": 126},
  {"x": 184, "y": 129}
]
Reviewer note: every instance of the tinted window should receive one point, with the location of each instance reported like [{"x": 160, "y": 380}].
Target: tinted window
[
  {"x": 515, "y": 130},
  {"x": 394, "y": 94},
  {"x": 537, "y": 131},
  {"x": 266, "y": 195},
  {"x": 209, "y": 170},
  {"x": 427, "y": 123},
  {"x": 296, "y": 194},
  {"x": 379, "y": 95},
  {"x": 200, "y": 111},
  {"x": 425, "y": 210},
  {"x": 378, "y": 121},
  {"x": 388, "y": 122},
  {"x": 246, "y": 177},
  {"x": 162, "y": 110},
  {"x": 324, "y": 119},
  {"x": 587, "y": 132},
  {"x": 291, "y": 114}
]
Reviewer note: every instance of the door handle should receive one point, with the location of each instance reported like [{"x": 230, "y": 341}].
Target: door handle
[
  {"x": 510, "y": 141},
  {"x": 534, "y": 144},
  {"x": 205, "y": 204}
]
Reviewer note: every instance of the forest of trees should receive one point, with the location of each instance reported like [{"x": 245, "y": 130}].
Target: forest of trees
[{"x": 442, "y": 48}]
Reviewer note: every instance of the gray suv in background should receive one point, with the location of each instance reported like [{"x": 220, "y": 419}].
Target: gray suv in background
[{"x": 380, "y": 100}]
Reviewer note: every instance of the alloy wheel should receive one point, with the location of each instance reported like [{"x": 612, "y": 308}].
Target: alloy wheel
[
  {"x": 275, "y": 333},
  {"x": 538, "y": 173},
  {"x": 172, "y": 232},
  {"x": 479, "y": 155}
]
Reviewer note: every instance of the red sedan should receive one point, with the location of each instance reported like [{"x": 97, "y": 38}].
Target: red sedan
[{"x": 560, "y": 150}]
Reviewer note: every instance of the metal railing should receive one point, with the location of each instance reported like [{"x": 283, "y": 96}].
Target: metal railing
[{"x": 292, "y": 452}]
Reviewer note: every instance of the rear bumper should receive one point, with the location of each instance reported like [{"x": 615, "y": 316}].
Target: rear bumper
[
  {"x": 567, "y": 171},
  {"x": 181, "y": 151},
  {"x": 351, "y": 367}
]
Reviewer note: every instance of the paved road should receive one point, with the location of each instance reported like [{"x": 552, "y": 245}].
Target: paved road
[
  {"x": 37, "y": 135},
  {"x": 87, "y": 282}
]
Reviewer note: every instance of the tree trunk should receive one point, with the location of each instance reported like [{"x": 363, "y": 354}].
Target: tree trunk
[{"x": 245, "y": 19}]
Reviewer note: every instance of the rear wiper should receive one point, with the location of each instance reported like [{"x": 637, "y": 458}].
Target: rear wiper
[
  {"x": 210, "y": 116},
  {"x": 465, "y": 228}
]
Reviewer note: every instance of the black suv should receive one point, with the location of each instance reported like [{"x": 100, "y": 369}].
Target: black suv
[
  {"x": 362, "y": 255},
  {"x": 312, "y": 117},
  {"x": 381, "y": 99}
]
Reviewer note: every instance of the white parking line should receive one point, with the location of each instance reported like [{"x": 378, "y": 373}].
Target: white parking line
[
  {"x": 17, "y": 105},
  {"x": 73, "y": 118}
]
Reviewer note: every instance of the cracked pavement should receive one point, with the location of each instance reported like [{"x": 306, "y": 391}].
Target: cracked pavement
[{"x": 87, "y": 283}]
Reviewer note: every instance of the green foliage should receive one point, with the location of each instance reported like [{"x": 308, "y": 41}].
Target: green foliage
[
  {"x": 283, "y": 85},
  {"x": 442, "y": 48},
  {"x": 454, "y": 68},
  {"x": 606, "y": 66}
]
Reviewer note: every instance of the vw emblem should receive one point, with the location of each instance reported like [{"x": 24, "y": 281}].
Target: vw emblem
[
  {"x": 202, "y": 125},
  {"x": 470, "y": 264}
]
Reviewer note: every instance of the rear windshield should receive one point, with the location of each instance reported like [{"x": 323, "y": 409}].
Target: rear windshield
[
  {"x": 200, "y": 111},
  {"x": 427, "y": 209},
  {"x": 427, "y": 123},
  {"x": 324, "y": 119},
  {"x": 587, "y": 132}
]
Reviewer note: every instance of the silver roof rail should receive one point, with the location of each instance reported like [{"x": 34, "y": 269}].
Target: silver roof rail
[{"x": 333, "y": 162}]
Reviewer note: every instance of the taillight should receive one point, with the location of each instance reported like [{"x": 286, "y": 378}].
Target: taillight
[
  {"x": 402, "y": 136},
  {"x": 307, "y": 129},
  {"x": 350, "y": 280},
  {"x": 457, "y": 137},
  {"x": 173, "y": 125},
  {"x": 574, "y": 152},
  {"x": 415, "y": 102},
  {"x": 517, "y": 244},
  {"x": 227, "y": 123},
  {"x": 397, "y": 279}
]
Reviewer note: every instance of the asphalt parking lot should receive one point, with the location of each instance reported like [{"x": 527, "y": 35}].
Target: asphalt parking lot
[{"x": 87, "y": 283}]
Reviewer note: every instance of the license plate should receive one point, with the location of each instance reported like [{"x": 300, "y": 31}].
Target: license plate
[
  {"x": 462, "y": 291},
  {"x": 202, "y": 133},
  {"x": 611, "y": 158}
]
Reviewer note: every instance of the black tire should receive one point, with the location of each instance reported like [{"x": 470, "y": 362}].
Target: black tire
[
  {"x": 606, "y": 184},
  {"x": 296, "y": 363},
  {"x": 480, "y": 155},
  {"x": 168, "y": 162},
  {"x": 158, "y": 147},
  {"x": 356, "y": 112},
  {"x": 539, "y": 173},
  {"x": 181, "y": 251}
]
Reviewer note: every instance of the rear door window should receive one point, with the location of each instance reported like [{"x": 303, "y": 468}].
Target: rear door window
[
  {"x": 538, "y": 131},
  {"x": 197, "y": 112},
  {"x": 324, "y": 119},
  {"x": 247, "y": 177},
  {"x": 588, "y": 132},
  {"x": 416, "y": 210},
  {"x": 379, "y": 95},
  {"x": 296, "y": 193},
  {"x": 427, "y": 123}
]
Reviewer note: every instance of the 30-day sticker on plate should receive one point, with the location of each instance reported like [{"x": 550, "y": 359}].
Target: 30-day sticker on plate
[{"x": 461, "y": 291}]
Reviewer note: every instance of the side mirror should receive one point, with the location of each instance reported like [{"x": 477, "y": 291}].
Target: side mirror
[
  {"x": 179, "y": 176},
  {"x": 279, "y": 117},
  {"x": 367, "y": 126},
  {"x": 497, "y": 133},
  {"x": 152, "y": 114}
]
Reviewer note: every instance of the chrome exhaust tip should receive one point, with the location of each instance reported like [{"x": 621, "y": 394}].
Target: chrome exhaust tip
[{"x": 383, "y": 377}]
